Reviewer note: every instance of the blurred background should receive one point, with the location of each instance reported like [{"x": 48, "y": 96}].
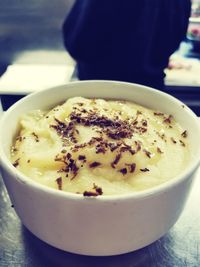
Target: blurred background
[
  {"x": 32, "y": 55},
  {"x": 30, "y": 25}
]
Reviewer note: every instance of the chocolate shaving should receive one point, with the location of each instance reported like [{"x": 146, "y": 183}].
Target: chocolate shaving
[
  {"x": 94, "y": 164},
  {"x": 161, "y": 135},
  {"x": 138, "y": 146},
  {"x": 118, "y": 134},
  {"x": 91, "y": 119},
  {"x": 184, "y": 134},
  {"x": 59, "y": 183},
  {"x": 144, "y": 170},
  {"x": 182, "y": 143},
  {"x": 144, "y": 122},
  {"x": 159, "y": 150},
  {"x": 90, "y": 194},
  {"x": 19, "y": 138},
  {"x": 115, "y": 129},
  {"x": 65, "y": 130},
  {"x": 138, "y": 112},
  {"x": 16, "y": 163},
  {"x": 158, "y": 114},
  {"x": 127, "y": 148},
  {"x": 77, "y": 147},
  {"x": 74, "y": 169},
  {"x": 94, "y": 140},
  {"x": 168, "y": 119},
  {"x": 58, "y": 158},
  {"x": 113, "y": 146},
  {"x": 36, "y": 137},
  {"x": 116, "y": 160},
  {"x": 70, "y": 165},
  {"x": 98, "y": 191},
  {"x": 140, "y": 129},
  {"x": 148, "y": 154},
  {"x": 132, "y": 167},
  {"x": 80, "y": 104},
  {"x": 83, "y": 110},
  {"x": 123, "y": 171},
  {"x": 13, "y": 149},
  {"x": 68, "y": 156},
  {"x": 100, "y": 149},
  {"x": 173, "y": 140},
  {"x": 82, "y": 157}
]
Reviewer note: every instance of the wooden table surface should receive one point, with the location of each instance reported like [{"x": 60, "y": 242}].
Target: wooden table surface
[{"x": 180, "y": 247}]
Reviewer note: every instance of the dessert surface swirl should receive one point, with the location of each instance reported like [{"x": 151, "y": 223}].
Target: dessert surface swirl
[{"x": 100, "y": 147}]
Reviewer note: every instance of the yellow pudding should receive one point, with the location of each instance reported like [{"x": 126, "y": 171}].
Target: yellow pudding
[{"x": 100, "y": 147}]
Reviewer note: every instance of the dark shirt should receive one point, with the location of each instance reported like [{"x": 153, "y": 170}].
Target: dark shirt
[{"x": 125, "y": 40}]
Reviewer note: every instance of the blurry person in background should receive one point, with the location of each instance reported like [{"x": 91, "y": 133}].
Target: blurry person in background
[{"x": 125, "y": 40}]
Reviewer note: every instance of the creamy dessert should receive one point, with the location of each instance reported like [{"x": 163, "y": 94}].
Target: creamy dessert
[{"x": 100, "y": 147}]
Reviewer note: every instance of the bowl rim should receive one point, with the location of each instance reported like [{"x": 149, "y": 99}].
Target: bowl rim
[{"x": 136, "y": 195}]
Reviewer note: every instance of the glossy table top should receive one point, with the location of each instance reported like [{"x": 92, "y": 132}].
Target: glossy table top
[{"x": 180, "y": 247}]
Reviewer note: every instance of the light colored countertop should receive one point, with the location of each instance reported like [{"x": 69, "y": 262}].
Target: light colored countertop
[
  {"x": 183, "y": 71},
  {"x": 37, "y": 70},
  {"x": 40, "y": 69}
]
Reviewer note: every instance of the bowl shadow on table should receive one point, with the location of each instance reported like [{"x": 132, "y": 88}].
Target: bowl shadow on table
[{"x": 42, "y": 254}]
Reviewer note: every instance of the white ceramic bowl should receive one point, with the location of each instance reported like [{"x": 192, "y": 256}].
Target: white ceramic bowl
[{"x": 106, "y": 225}]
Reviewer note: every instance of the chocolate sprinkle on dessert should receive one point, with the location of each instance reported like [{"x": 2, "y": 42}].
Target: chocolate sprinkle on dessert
[
  {"x": 158, "y": 114},
  {"x": 184, "y": 134},
  {"x": 68, "y": 156},
  {"x": 168, "y": 119},
  {"x": 13, "y": 149},
  {"x": 123, "y": 171},
  {"x": 98, "y": 192},
  {"x": 80, "y": 104},
  {"x": 173, "y": 140},
  {"x": 70, "y": 165},
  {"x": 100, "y": 148},
  {"x": 82, "y": 157},
  {"x": 94, "y": 164},
  {"x": 19, "y": 138},
  {"x": 113, "y": 146},
  {"x": 16, "y": 163},
  {"x": 89, "y": 194},
  {"x": 128, "y": 148},
  {"x": 105, "y": 141},
  {"x": 138, "y": 145},
  {"x": 65, "y": 130},
  {"x": 148, "y": 154},
  {"x": 159, "y": 150},
  {"x": 115, "y": 129},
  {"x": 132, "y": 167},
  {"x": 36, "y": 137},
  {"x": 59, "y": 183},
  {"x": 144, "y": 170},
  {"x": 182, "y": 143},
  {"x": 98, "y": 189},
  {"x": 116, "y": 160},
  {"x": 144, "y": 122}
]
